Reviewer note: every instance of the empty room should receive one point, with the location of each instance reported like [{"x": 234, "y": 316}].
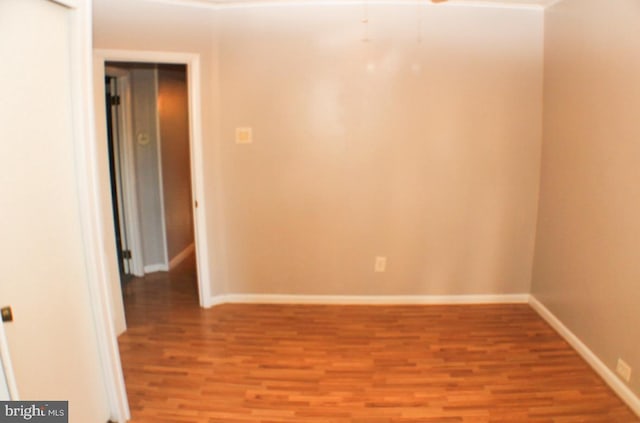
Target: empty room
[{"x": 401, "y": 211}]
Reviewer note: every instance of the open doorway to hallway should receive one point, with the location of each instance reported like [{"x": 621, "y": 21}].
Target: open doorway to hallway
[
  {"x": 109, "y": 300},
  {"x": 150, "y": 172}
]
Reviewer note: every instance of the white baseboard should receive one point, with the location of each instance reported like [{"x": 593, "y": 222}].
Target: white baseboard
[
  {"x": 369, "y": 299},
  {"x": 156, "y": 268},
  {"x": 619, "y": 387},
  {"x": 181, "y": 256}
]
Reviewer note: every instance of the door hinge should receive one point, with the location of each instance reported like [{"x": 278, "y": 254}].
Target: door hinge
[
  {"x": 195, "y": 203},
  {"x": 7, "y": 314},
  {"x": 115, "y": 100},
  {"x": 126, "y": 254}
]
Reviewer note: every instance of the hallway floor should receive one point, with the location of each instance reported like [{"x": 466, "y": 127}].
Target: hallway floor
[{"x": 367, "y": 364}]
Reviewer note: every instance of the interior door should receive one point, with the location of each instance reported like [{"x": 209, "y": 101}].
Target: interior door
[
  {"x": 52, "y": 339},
  {"x": 112, "y": 100}
]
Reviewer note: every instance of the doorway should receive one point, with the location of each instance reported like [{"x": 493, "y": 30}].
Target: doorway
[
  {"x": 112, "y": 314},
  {"x": 148, "y": 138}
]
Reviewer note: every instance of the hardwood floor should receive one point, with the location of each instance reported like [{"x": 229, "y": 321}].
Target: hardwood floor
[{"x": 361, "y": 364}]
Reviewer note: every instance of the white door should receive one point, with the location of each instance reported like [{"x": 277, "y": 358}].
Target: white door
[{"x": 52, "y": 340}]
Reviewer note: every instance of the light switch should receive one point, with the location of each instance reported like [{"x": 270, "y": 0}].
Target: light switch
[{"x": 244, "y": 136}]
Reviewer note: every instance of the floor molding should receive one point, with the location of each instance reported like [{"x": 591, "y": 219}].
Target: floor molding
[
  {"x": 181, "y": 256},
  {"x": 619, "y": 387},
  {"x": 151, "y": 268},
  {"x": 369, "y": 299}
]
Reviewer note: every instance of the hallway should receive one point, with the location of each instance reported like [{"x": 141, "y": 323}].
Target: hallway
[{"x": 378, "y": 364}]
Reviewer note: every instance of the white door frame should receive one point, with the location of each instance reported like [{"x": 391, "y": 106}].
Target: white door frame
[
  {"x": 192, "y": 62},
  {"x": 91, "y": 210}
]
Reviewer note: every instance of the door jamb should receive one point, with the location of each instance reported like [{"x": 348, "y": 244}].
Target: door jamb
[{"x": 91, "y": 212}]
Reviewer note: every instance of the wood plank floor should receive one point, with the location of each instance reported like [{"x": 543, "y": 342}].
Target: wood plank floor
[{"x": 378, "y": 364}]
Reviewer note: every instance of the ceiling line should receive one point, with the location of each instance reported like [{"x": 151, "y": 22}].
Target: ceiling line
[{"x": 239, "y": 4}]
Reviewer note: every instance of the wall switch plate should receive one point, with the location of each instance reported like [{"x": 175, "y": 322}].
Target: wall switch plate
[
  {"x": 623, "y": 370},
  {"x": 380, "y": 264},
  {"x": 244, "y": 135}
]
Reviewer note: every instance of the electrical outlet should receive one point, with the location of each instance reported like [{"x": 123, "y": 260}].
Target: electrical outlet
[
  {"x": 623, "y": 370},
  {"x": 380, "y": 264}
]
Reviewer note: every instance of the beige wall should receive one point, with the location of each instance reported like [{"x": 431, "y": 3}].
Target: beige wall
[
  {"x": 424, "y": 152},
  {"x": 173, "y": 116},
  {"x": 421, "y": 146},
  {"x": 587, "y": 269}
]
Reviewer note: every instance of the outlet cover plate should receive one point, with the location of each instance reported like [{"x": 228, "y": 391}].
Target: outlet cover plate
[{"x": 623, "y": 370}]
